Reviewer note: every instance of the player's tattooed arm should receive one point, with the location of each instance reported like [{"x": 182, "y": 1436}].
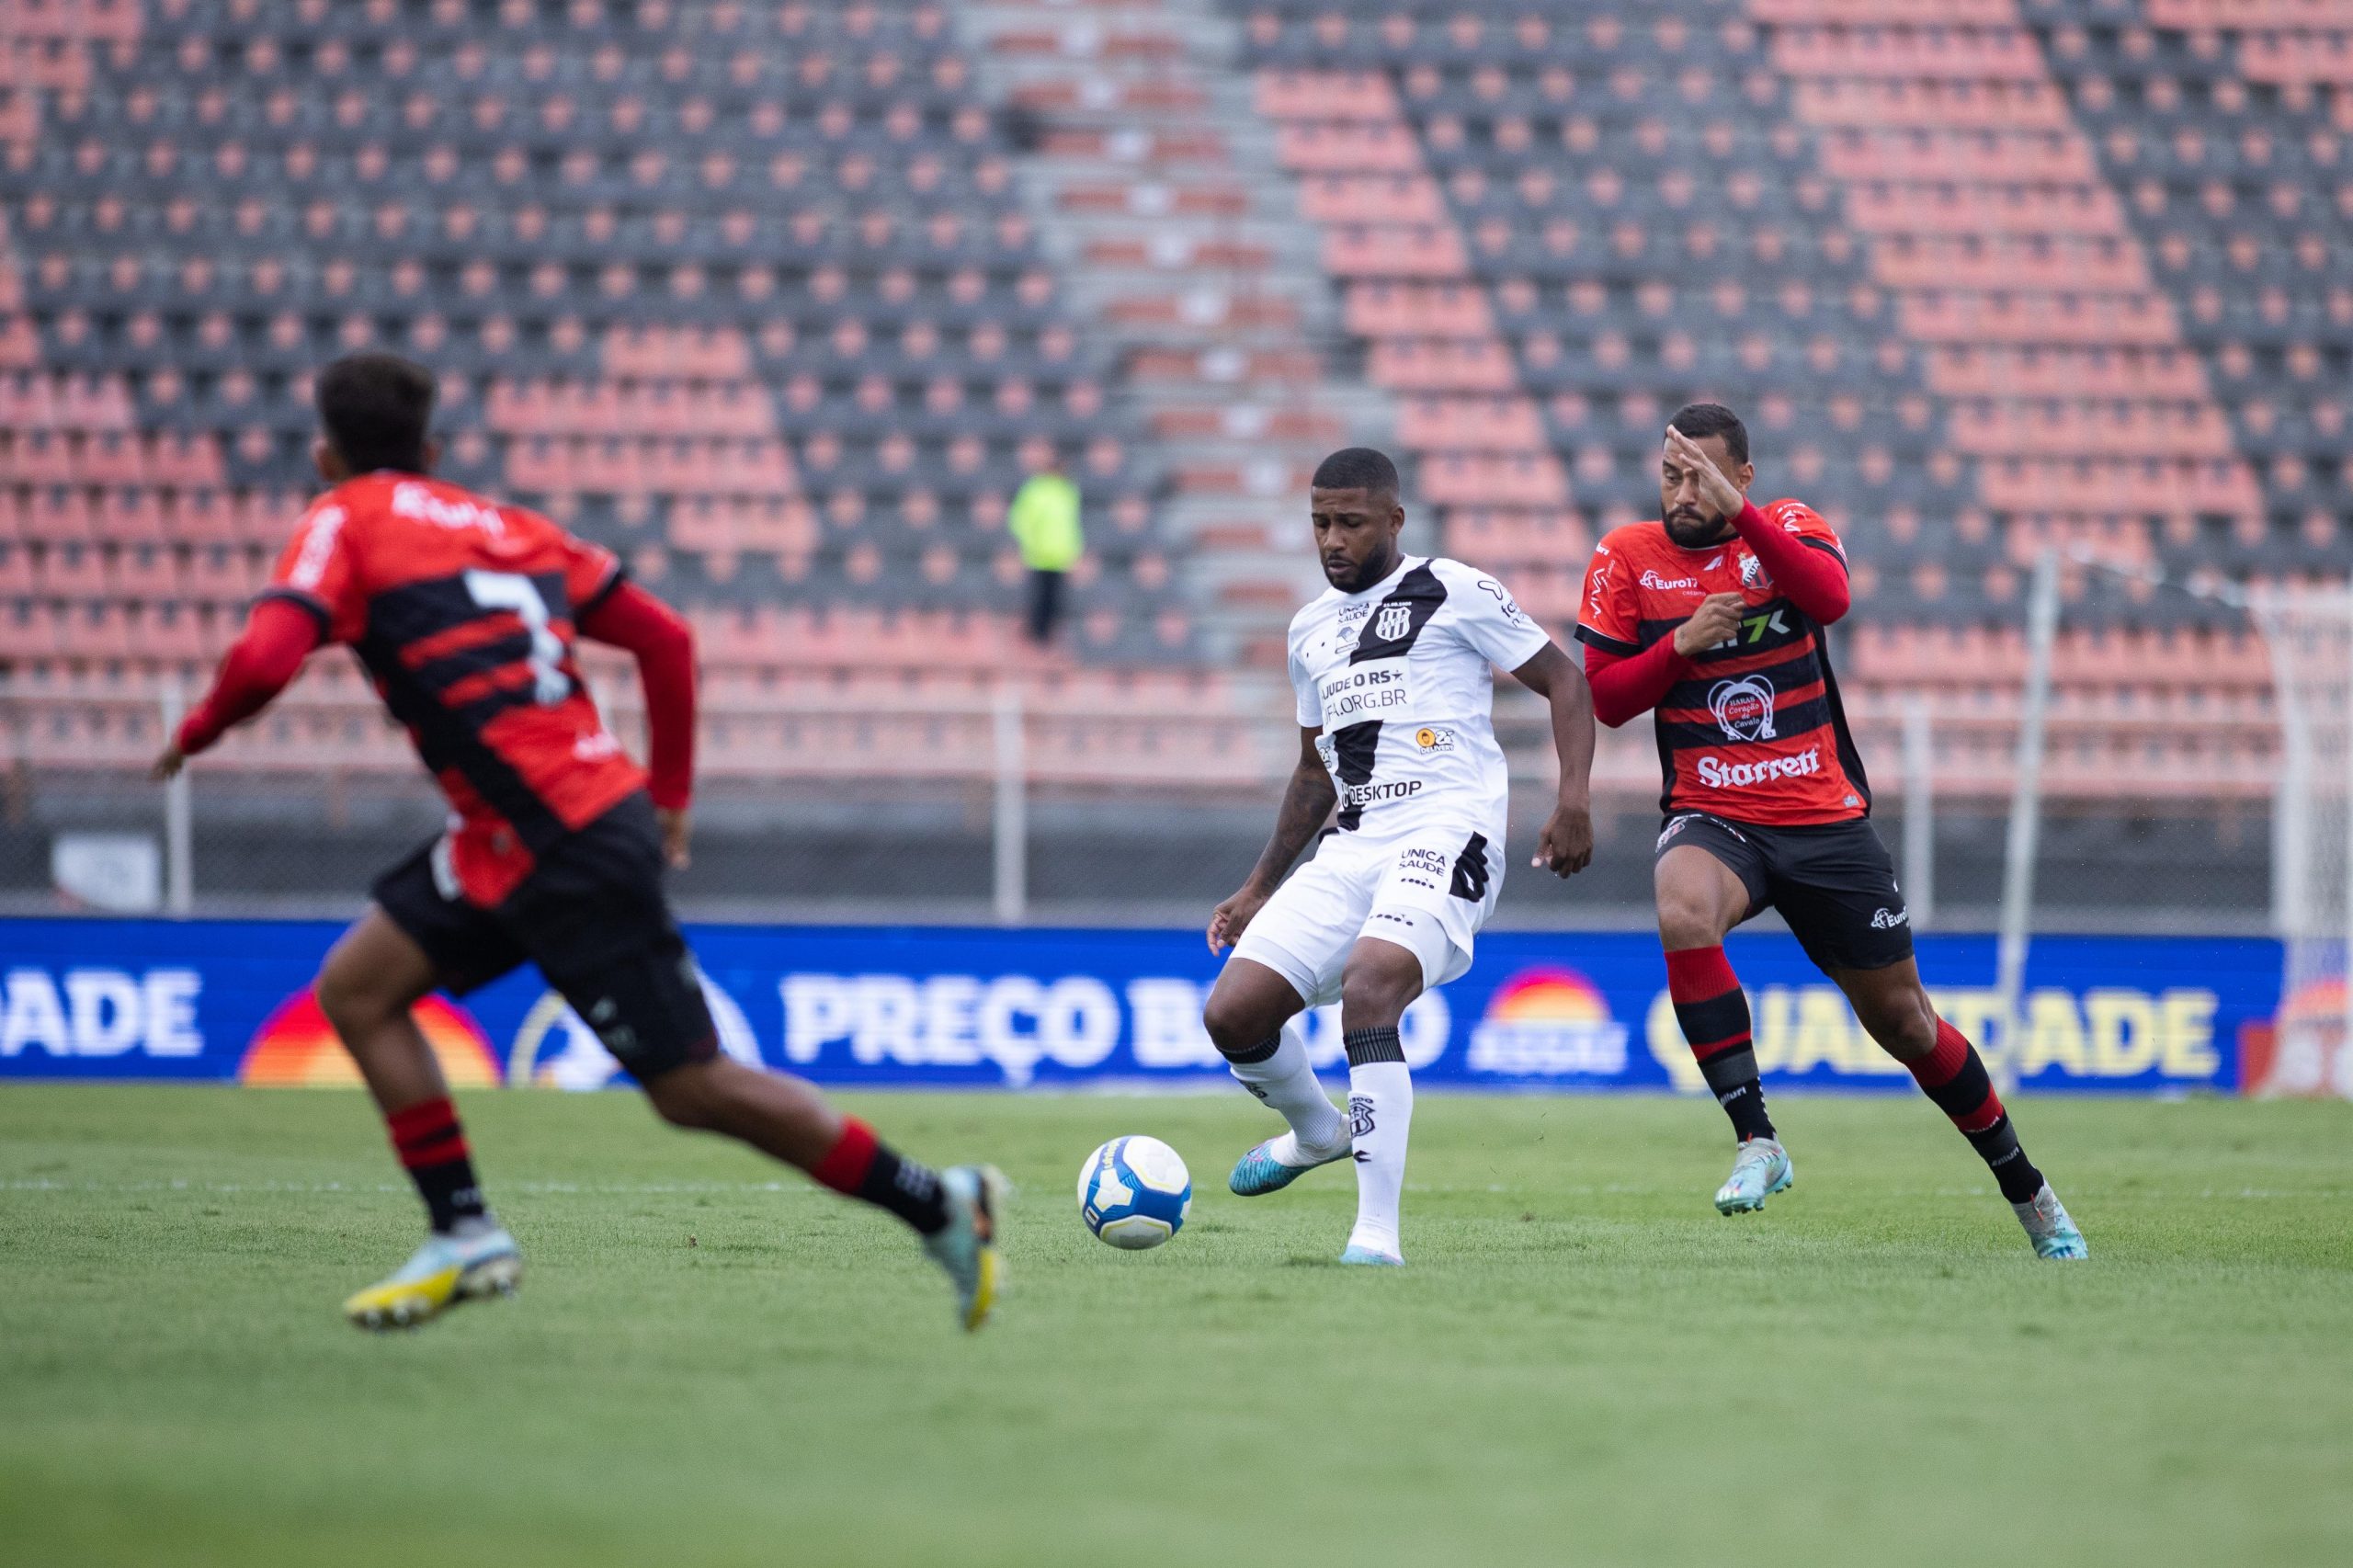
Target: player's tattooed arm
[
  {"x": 1566, "y": 847},
  {"x": 1308, "y": 800}
]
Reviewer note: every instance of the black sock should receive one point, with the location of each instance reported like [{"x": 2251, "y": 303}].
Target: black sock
[
  {"x": 909, "y": 1190},
  {"x": 861, "y": 1165},
  {"x": 1372, "y": 1045},
  {"x": 1744, "y": 1102},
  {"x": 1998, "y": 1146}
]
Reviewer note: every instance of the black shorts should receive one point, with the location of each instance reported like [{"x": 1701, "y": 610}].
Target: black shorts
[
  {"x": 1834, "y": 884},
  {"x": 592, "y": 915}
]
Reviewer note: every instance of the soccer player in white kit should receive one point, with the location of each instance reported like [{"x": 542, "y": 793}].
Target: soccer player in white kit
[{"x": 1391, "y": 665}]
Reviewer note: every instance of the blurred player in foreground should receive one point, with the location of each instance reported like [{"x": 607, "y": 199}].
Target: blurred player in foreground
[
  {"x": 463, "y": 611},
  {"x": 1713, "y": 618},
  {"x": 1391, "y": 667}
]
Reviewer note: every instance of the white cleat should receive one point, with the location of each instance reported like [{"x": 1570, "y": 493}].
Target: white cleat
[
  {"x": 1761, "y": 1169},
  {"x": 2048, "y": 1228}
]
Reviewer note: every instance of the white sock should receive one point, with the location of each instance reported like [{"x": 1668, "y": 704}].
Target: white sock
[
  {"x": 1288, "y": 1084},
  {"x": 1381, "y": 1119}
]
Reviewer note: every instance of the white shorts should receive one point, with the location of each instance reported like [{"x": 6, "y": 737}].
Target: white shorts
[{"x": 1429, "y": 892}]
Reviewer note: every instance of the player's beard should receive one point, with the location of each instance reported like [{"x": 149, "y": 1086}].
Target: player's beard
[
  {"x": 1695, "y": 532},
  {"x": 1373, "y": 568}
]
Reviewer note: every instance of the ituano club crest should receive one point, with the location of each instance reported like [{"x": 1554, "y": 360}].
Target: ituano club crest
[{"x": 1744, "y": 707}]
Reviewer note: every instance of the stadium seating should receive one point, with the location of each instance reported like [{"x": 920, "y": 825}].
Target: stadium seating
[
  {"x": 757, "y": 295},
  {"x": 1954, "y": 262},
  {"x": 740, "y": 290}
]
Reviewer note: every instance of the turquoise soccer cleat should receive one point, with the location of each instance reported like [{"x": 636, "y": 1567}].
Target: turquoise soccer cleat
[
  {"x": 1259, "y": 1172},
  {"x": 2048, "y": 1228},
  {"x": 965, "y": 1248},
  {"x": 447, "y": 1270},
  {"x": 1358, "y": 1252},
  {"x": 1761, "y": 1169}
]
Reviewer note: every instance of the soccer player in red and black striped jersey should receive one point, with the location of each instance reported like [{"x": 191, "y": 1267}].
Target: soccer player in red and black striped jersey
[
  {"x": 463, "y": 611},
  {"x": 1712, "y": 619}
]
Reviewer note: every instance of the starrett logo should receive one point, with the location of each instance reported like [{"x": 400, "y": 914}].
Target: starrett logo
[{"x": 1718, "y": 774}]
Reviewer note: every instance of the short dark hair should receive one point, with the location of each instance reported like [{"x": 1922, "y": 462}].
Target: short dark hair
[
  {"x": 1702, "y": 420},
  {"x": 375, "y": 409},
  {"x": 1357, "y": 468}
]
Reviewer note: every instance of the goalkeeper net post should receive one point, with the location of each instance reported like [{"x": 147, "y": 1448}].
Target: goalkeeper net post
[{"x": 2309, "y": 635}]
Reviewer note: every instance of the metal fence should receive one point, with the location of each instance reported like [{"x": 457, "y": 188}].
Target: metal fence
[{"x": 1023, "y": 801}]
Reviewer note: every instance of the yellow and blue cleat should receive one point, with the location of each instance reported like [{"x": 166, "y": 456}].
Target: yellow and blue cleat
[
  {"x": 965, "y": 1248},
  {"x": 1761, "y": 1169},
  {"x": 445, "y": 1270}
]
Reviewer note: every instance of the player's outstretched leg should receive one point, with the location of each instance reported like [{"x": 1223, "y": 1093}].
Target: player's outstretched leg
[
  {"x": 1380, "y": 982},
  {"x": 366, "y": 988},
  {"x": 1253, "y": 1019},
  {"x": 955, "y": 1212},
  {"x": 1896, "y": 1011},
  {"x": 1713, "y": 1011}
]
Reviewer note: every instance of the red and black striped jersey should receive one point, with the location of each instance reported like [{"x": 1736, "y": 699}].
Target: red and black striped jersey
[
  {"x": 462, "y": 610},
  {"x": 1754, "y": 730}
]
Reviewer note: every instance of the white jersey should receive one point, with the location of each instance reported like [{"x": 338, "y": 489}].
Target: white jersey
[{"x": 1398, "y": 678}]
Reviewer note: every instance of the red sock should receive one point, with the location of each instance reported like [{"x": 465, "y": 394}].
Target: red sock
[
  {"x": 1713, "y": 1011},
  {"x": 844, "y": 1167},
  {"x": 1954, "y": 1076},
  {"x": 432, "y": 1149},
  {"x": 861, "y": 1165}
]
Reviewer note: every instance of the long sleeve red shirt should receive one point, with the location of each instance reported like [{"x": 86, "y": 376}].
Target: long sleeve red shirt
[
  {"x": 1809, "y": 572},
  {"x": 282, "y": 634}
]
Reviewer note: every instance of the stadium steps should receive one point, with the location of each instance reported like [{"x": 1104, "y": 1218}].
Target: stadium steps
[{"x": 1159, "y": 187}]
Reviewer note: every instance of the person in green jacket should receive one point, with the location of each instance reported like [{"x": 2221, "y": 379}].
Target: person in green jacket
[{"x": 1044, "y": 520}]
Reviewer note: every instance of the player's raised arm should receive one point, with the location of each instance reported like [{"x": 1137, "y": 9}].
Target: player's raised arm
[
  {"x": 1807, "y": 565},
  {"x": 1308, "y": 799},
  {"x": 625, "y": 616},
  {"x": 1565, "y": 847}
]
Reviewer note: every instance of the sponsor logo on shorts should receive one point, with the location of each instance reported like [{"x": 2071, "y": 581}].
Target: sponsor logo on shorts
[
  {"x": 1431, "y": 738},
  {"x": 1889, "y": 919},
  {"x": 1429, "y": 862},
  {"x": 1744, "y": 707},
  {"x": 1718, "y": 774}
]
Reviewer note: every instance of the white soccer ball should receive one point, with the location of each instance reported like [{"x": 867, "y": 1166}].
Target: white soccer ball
[{"x": 1134, "y": 1192}]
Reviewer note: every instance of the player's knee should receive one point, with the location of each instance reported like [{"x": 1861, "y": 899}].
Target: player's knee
[
  {"x": 684, "y": 1097},
  {"x": 1232, "y": 1024},
  {"x": 1684, "y": 921},
  {"x": 1904, "y": 1026},
  {"x": 354, "y": 1002},
  {"x": 1375, "y": 996}
]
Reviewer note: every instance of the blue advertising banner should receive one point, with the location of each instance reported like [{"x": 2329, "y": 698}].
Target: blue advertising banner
[{"x": 986, "y": 1008}]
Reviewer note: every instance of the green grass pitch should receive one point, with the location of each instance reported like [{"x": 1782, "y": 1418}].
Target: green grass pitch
[{"x": 711, "y": 1363}]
